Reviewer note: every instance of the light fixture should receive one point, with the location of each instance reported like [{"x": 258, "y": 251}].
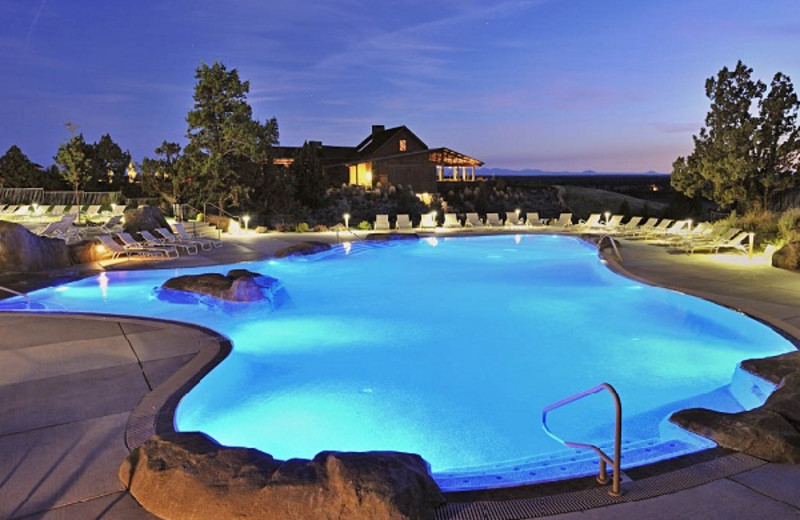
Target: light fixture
[
  {"x": 346, "y": 217},
  {"x": 607, "y": 215},
  {"x": 752, "y": 237},
  {"x": 246, "y": 219}
]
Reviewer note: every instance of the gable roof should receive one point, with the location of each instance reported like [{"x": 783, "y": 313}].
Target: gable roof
[{"x": 377, "y": 139}]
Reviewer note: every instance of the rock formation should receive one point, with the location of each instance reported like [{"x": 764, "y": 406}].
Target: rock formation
[
  {"x": 146, "y": 217},
  {"x": 189, "y": 476},
  {"x": 239, "y": 285},
  {"x": 25, "y": 252},
  {"x": 787, "y": 257},
  {"x": 770, "y": 432}
]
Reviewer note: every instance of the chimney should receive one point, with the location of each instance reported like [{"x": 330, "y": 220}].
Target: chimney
[{"x": 376, "y": 129}]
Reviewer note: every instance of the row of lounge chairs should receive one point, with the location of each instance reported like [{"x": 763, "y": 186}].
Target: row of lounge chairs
[
  {"x": 167, "y": 245},
  {"x": 676, "y": 233},
  {"x": 34, "y": 211}
]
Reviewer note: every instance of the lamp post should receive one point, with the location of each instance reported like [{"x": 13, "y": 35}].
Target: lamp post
[
  {"x": 517, "y": 211},
  {"x": 751, "y": 236},
  {"x": 346, "y": 220},
  {"x": 246, "y": 219},
  {"x": 607, "y": 214}
]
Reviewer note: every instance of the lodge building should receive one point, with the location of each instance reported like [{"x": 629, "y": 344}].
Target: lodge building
[{"x": 389, "y": 156}]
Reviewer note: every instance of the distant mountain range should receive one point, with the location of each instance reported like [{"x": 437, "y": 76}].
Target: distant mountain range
[{"x": 502, "y": 172}]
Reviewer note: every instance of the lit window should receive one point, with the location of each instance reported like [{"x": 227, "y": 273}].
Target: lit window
[{"x": 402, "y": 145}]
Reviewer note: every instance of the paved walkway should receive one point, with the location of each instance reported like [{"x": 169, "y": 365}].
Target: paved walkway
[{"x": 68, "y": 388}]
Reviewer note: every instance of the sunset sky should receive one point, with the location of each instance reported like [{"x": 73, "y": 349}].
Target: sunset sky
[{"x": 614, "y": 86}]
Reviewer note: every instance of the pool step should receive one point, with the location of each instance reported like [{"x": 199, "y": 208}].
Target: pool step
[{"x": 559, "y": 465}]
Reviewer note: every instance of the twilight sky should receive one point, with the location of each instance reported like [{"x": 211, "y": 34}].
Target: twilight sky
[{"x": 614, "y": 86}]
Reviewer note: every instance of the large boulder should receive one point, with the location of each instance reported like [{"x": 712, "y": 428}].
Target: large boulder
[
  {"x": 25, "y": 252},
  {"x": 770, "y": 432},
  {"x": 239, "y": 285},
  {"x": 144, "y": 218},
  {"x": 189, "y": 476},
  {"x": 787, "y": 257},
  {"x": 303, "y": 249}
]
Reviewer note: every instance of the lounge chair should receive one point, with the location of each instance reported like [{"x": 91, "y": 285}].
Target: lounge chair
[
  {"x": 635, "y": 231},
  {"x": 614, "y": 223},
  {"x": 512, "y": 218},
  {"x": 57, "y": 210},
  {"x": 564, "y": 221},
  {"x": 112, "y": 224},
  {"x": 22, "y": 213},
  {"x": 150, "y": 240},
  {"x": 192, "y": 247},
  {"x": 451, "y": 221},
  {"x": 590, "y": 223},
  {"x": 733, "y": 242},
  {"x": 473, "y": 220},
  {"x": 532, "y": 220},
  {"x": 381, "y": 223},
  {"x": 689, "y": 244},
  {"x": 92, "y": 211},
  {"x": 403, "y": 221},
  {"x": 203, "y": 241},
  {"x": 493, "y": 220},
  {"x": 10, "y": 209},
  {"x": 117, "y": 250},
  {"x": 428, "y": 220},
  {"x": 134, "y": 245}
]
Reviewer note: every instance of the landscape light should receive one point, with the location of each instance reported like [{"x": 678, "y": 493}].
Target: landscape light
[
  {"x": 751, "y": 236},
  {"x": 346, "y": 217},
  {"x": 607, "y": 215},
  {"x": 246, "y": 219}
]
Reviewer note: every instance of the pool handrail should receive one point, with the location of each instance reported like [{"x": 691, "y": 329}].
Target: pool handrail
[
  {"x": 613, "y": 245},
  {"x": 602, "y": 477},
  {"x": 17, "y": 293}
]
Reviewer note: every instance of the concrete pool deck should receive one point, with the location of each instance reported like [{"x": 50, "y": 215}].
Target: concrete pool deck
[{"x": 69, "y": 386}]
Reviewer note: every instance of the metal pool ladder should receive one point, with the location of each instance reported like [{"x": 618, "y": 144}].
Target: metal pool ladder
[
  {"x": 17, "y": 293},
  {"x": 602, "y": 477}
]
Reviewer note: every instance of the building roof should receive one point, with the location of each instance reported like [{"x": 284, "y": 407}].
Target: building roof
[{"x": 380, "y": 136}]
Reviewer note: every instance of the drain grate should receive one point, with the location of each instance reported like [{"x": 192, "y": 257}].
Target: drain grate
[{"x": 666, "y": 483}]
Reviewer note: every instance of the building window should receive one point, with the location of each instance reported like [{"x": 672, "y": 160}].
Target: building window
[{"x": 402, "y": 145}]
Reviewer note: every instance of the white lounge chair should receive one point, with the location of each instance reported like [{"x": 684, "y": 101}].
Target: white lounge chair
[
  {"x": 428, "y": 220},
  {"x": 205, "y": 243},
  {"x": 451, "y": 221},
  {"x": 191, "y": 246},
  {"x": 151, "y": 240},
  {"x": 563, "y": 221},
  {"x": 134, "y": 245},
  {"x": 591, "y": 223},
  {"x": 642, "y": 229},
  {"x": 118, "y": 250},
  {"x": 403, "y": 221},
  {"x": 493, "y": 220},
  {"x": 112, "y": 224},
  {"x": 381, "y": 223},
  {"x": 473, "y": 220},
  {"x": 532, "y": 220},
  {"x": 512, "y": 218}
]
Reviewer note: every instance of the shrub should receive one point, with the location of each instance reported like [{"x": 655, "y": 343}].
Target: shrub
[
  {"x": 302, "y": 227},
  {"x": 320, "y": 228},
  {"x": 789, "y": 226},
  {"x": 364, "y": 225}
]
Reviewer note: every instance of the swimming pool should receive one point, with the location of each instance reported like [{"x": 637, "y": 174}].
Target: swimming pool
[{"x": 450, "y": 348}]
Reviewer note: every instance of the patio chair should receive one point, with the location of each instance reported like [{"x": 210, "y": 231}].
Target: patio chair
[
  {"x": 634, "y": 231},
  {"x": 131, "y": 243},
  {"x": 403, "y": 221},
  {"x": 690, "y": 244},
  {"x": 614, "y": 222},
  {"x": 191, "y": 246},
  {"x": 205, "y": 243},
  {"x": 451, "y": 221},
  {"x": 381, "y": 223},
  {"x": 734, "y": 242},
  {"x": 473, "y": 220},
  {"x": 92, "y": 211},
  {"x": 493, "y": 220}
]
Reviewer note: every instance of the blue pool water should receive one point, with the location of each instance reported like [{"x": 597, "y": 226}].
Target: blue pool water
[{"x": 445, "y": 347}]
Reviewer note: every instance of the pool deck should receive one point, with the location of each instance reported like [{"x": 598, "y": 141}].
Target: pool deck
[{"x": 70, "y": 387}]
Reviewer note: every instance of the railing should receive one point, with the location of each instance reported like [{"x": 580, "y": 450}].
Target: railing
[
  {"x": 17, "y": 293},
  {"x": 602, "y": 477},
  {"x": 613, "y": 243}
]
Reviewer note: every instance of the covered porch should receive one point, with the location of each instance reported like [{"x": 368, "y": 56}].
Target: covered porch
[{"x": 453, "y": 166}]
